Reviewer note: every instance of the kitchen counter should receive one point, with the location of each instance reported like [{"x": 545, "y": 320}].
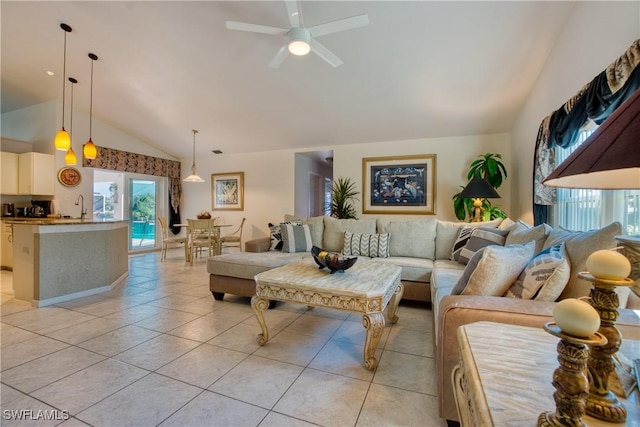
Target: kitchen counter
[
  {"x": 59, "y": 259},
  {"x": 54, "y": 221}
]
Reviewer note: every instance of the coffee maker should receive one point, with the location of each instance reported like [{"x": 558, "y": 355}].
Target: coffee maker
[
  {"x": 40, "y": 208},
  {"x": 8, "y": 209}
]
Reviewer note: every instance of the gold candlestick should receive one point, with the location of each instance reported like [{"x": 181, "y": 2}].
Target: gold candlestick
[
  {"x": 602, "y": 403},
  {"x": 569, "y": 379}
]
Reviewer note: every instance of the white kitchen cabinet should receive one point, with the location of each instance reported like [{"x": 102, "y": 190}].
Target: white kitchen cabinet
[
  {"x": 36, "y": 174},
  {"x": 9, "y": 184}
]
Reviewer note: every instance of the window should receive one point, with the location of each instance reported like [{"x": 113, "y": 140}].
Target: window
[{"x": 585, "y": 209}]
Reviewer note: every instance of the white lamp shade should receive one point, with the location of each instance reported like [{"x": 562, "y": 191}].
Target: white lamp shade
[{"x": 193, "y": 178}]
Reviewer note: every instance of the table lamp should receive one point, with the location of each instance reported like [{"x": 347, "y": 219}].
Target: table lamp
[
  {"x": 608, "y": 159},
  {"x": 478, "y": 189}
]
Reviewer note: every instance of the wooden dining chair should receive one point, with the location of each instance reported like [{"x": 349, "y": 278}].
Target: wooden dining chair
[
  {"x": 169, "y": 239},
  {"x": 234, "y": 238},
  {"x": 202, "y": 234}
]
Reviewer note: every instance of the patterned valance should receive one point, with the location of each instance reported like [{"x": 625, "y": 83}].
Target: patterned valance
[
  {"x": 125, "y": 161},
  {"x": 596, "y": 101}
]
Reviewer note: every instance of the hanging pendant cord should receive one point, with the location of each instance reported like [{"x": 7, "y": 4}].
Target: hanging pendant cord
[
  {"x": 64, "y": 73},
  {"x": 193, "y": 165},
  {"x": 91, "y": 102}
]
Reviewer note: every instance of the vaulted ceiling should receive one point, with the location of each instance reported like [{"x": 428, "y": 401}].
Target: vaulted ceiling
[{"x": 420, "y": 69}]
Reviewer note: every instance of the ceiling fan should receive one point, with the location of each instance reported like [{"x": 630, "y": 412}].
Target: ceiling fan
[{"x": 302, "y": 40}]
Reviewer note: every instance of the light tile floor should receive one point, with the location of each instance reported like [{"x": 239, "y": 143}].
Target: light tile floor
[{"x": 159, "y": 350}]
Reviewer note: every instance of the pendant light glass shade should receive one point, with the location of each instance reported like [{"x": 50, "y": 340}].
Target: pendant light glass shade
[
  {"x": 62, "y": 140},
  {"x": 89, "y": 148},
  {"x": 70, "y": 158},
  {"x": 193, "y": 177}
]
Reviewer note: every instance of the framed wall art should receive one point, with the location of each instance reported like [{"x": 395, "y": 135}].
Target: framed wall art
[
  {"x": 227, "y": 191},
  {"x": 399, "y": 185}
]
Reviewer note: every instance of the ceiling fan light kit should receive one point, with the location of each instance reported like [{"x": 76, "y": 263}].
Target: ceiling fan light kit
[
  {"x": 299, "y": 39},
  {"x": 302, "y": 40}
]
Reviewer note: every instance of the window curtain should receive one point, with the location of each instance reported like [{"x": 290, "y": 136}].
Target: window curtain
[
  {"x": 125, "y": 161},
  {"x": 596, "y": 101}
]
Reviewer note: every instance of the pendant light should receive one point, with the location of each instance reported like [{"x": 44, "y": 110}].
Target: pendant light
[
  {"x": 193, "y": 177},
  {"x": 62, "y": 140},
  {"x": 70, "y": 157},
  {"x": 89, "y": 148}
]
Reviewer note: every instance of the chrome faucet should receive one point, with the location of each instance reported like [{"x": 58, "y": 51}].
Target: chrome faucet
[{"x": 83, "y": 211}]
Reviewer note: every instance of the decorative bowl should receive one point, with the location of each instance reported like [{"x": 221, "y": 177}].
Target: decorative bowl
[
  {"x": 204, "y": 215},
  {"x": 333, "y": 261}
]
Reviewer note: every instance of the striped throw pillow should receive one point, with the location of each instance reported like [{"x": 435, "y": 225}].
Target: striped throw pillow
[
  {"x": 480, "y": 238},
  {"x": 296, "y": 238},
  {"x": 371, "y": 245}
]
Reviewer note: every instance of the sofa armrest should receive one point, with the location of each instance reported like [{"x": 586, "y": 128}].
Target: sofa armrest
[
  {"x": 459, "y": 310},
  {"x": 258, "y": 245}
]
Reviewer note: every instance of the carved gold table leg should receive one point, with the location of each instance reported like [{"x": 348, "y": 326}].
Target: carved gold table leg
[
  {"x": 392, "y": 307},
  {"x": 259, "y": 305},
  {"x": 374, "y": 324},
  {"x": 569, "y": 380},
  {"x": 602, "y": 403}
]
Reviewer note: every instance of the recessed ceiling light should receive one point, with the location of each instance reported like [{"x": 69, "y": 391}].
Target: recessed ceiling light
[
  {"x": 216, "y": 151},
  {"x": 49, "y": 73}
]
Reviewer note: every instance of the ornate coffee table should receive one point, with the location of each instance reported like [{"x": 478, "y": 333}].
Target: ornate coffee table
[{"x": 365, "y": 288}]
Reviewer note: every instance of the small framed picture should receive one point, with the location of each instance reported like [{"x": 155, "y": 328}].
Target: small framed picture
[
  {"x": 227, "y": 191},
  {"x": 399, "y": 185}
]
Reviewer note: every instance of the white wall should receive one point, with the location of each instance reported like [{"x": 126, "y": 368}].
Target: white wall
[
  {"x": 269, "y": 176},
  {"x": 595, "y": 34}
]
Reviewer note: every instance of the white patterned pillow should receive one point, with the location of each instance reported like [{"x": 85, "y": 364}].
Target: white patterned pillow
[
  {"x": 480, "y": 238},
  {"x": 545, "y": 277},
  {"x": 275, "y": 234},
  {"x": 464, "y": 234},
  {"x": 371, "y": 245},
  {"x": 296, "y": 238}
]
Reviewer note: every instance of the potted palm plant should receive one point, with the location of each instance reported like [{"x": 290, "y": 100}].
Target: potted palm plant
[
  {"x": 489, "y": 167},
  {"x": 343, "y": 193}
]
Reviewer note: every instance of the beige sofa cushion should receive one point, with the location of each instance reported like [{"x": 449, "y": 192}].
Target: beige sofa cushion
[
  {"x": 333, "y": 237},
  {"x": 414, "y": 239},
  {"x": 245, "y": 265},
  {"x": 447, "y": 232},
  {"x": 521, "y": 233},
  {"x": 579, "y": 245},
  {"x": 413, "y": 269}
]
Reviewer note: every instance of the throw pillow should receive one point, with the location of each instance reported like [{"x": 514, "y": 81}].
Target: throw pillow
[
  {"x": 296, "y": 238},
  {"x": 275, "y": 234},
  {"x": 447, "y": 232},
  {"x": 494, "y": 270},
  {"x": 579, "y": 245},
  {"x": 520, "y": 233},
  {"x": 544, "y": 277},
  {"x": 334, "y": 229},
  {"x": 464, "y": 234},
  {"x": 371, "y": 245},
  {"x": 480, "y": 238}
]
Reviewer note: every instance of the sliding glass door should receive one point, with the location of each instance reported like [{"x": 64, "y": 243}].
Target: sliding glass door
[{"x": 142, "y": 211}]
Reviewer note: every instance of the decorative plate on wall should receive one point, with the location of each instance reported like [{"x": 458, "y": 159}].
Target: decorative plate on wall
[{"x": 69, "y": 177}]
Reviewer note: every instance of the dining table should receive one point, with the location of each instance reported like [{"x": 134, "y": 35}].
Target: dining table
[{"x": 187, "y": 250}]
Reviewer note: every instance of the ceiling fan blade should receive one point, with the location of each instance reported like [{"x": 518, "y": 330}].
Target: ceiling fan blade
[
  {"x": 253, "y": 28},
  {"x": 325, "y": 53},
  {"x": 295, "y": 13},
  {"x": 279, "y": 58},
  {"x": 339, "y": 25}
]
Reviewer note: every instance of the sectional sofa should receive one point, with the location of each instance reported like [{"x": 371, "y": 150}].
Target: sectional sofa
[{"x": 423, "y": 248}]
